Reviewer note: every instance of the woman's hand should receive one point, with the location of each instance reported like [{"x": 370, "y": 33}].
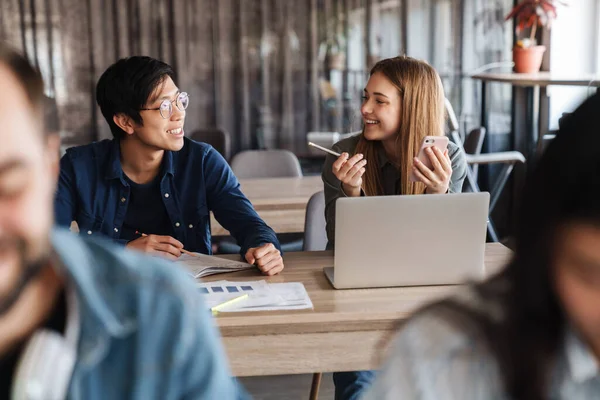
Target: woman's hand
[
  {"x": 437, "y": 179},
  {"x": 350, "y": 172}
]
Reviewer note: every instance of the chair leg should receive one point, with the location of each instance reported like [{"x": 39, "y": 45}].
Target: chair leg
[
  {"x": 472, "y": 182},
  {"x": 499, "y": 185},
  {"x": 316, "y": 383}
]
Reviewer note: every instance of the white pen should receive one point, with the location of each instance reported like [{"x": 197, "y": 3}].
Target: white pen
[{"x": 324, "y": 149}]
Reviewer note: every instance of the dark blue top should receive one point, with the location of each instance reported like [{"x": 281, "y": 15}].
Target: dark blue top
[
  {"x": 146, "y": 212},
  {"x": 92, "y": 190}
]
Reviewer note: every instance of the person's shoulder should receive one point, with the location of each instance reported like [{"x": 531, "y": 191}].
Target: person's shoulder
[
  {"x": 196, "y": 146},
  {"x": 94, "y": 149},
  {"x": 441, "y": 352},
  {"x": 119, "y": 272},
  {"x": 445, "y": 329},
  {"x": 457, "y": 156},
  {"x": 347, "y": 144},
  {"x": 194, "y": 152}
]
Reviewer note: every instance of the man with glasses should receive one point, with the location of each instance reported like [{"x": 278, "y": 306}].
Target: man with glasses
[{"x": 151, "y": 188}]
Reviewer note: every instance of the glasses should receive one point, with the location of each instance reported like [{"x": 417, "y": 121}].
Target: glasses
[{"x": 166, "y": 107}]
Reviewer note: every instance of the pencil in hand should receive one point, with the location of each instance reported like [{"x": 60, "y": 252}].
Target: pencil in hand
[{"x": 184, "y": 251}]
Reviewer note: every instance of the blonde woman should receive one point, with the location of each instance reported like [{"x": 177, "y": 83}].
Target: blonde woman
[{"x": 403, "y": 102}]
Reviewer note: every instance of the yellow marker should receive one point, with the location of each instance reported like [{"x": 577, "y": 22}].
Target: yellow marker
[{"x": 218, "y": 307}]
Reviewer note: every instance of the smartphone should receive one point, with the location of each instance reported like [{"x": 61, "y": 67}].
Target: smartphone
[{"x": 441, "y": 142}]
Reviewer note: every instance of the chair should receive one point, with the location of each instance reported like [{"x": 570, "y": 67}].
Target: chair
[
  {"x": 257, "y": 164},
  {"x": 251, "y": 164},
  {"x": 315, "y": 239},
  {"x": 217, "y": 138},
  {"x": 473, "y": 145},
  {"x": 315, "y": 235},
  {"x": 507, "y": 158}
]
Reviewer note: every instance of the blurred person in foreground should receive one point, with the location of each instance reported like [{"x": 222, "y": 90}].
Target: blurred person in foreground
[{"x": 84, "y": 319}]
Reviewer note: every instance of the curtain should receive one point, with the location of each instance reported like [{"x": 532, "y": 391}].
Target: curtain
[{"x": 266, "y": 71}]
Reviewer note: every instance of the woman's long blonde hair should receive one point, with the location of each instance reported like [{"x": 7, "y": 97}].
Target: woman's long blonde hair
[{"x": 422, "y": 114}]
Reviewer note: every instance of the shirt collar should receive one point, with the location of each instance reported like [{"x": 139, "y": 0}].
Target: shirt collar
[
  {"x": 115, "y": 171},
  {"x": 382, "y": 158},
  {"x": 76, "y": 262},
  {"x": 581, "y": 362}
]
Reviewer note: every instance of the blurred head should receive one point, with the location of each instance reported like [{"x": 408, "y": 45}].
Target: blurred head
[
  {"x": 554, "y": 277},
  {"x": 557, "y": 264},
  {"x": 135, "y": 95},
  {"x": 403, "y": 102},
  {"x": 28, "y": 173}
]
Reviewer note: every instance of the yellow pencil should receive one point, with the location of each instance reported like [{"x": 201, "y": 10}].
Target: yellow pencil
[{"x": 218, "y": 307}]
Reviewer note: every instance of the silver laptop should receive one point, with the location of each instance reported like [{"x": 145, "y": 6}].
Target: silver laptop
[{"x": 409, "y": 240}]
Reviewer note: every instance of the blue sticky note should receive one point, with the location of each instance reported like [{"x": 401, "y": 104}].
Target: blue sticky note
[
  {"x": 232, "y": 289},
  {"x": 217, "y": 289},
  {"x": 204, "y": 290},
  {"x": 247, "y": 288}
]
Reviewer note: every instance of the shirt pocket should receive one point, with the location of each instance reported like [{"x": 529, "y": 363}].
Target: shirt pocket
[{"x": 89, "y": 225}]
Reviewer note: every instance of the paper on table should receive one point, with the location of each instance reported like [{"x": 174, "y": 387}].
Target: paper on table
[
  {"x": 261, "y": 296},
  {"x": 200, "y": 265},
  {"x": 218, "y": 292},
  {"x": 293, "y": 294}
]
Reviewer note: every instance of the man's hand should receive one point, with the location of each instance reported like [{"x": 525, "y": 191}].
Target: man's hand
[
  {"x": 267, "y": 258},
  {"x": 164, "y": 246}
]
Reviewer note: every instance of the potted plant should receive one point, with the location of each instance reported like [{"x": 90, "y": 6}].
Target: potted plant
[
  {"x": 335, "y": 52},
  {"x": 531, "y": 14},
  {"x": 333, "y": 49}
]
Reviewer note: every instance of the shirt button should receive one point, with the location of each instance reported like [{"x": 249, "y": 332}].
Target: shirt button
[
  {"x": 123, "y": 200},
  {"x": 116, "y": 230},
  {"x": 190, "y": 226},
  {"x": 177, "y": 224},
  {"x": 167, "y": 195},
  {"x": 89, "y": 232}
]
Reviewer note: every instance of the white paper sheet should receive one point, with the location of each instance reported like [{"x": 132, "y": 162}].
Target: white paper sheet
[{"x": 261, "y": 295}]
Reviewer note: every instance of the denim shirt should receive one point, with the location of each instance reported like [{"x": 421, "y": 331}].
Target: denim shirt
[
  {"x": 144, "y": 331},
  {"x": 92, "y": 191}
]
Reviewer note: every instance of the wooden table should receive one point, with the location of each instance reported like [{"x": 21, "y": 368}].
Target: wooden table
[
  {"x": 346, "y": 331},
  {"x": 536, "y": 85},
  {"x": 280, "y": 202},
  {"x": 543, "y": 78}
]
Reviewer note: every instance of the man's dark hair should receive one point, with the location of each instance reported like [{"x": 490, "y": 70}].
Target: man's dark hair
[
  {"x": 27, "y": 76},
  {"x": 125, "y": 88}
]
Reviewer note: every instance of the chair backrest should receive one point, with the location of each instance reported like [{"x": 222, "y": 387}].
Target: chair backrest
[
  {"x": 315, "y": 236},
  {"x": 217, "y": 138},
  {"x": 474, "y": 141},
  {"x": 266, "y": 164}
]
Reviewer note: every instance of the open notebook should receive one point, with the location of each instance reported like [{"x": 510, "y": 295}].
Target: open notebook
[{"x": 201, "y": 265}]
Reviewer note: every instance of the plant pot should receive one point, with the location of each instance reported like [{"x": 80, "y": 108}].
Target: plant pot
[{"x": 528, "y": 60}]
